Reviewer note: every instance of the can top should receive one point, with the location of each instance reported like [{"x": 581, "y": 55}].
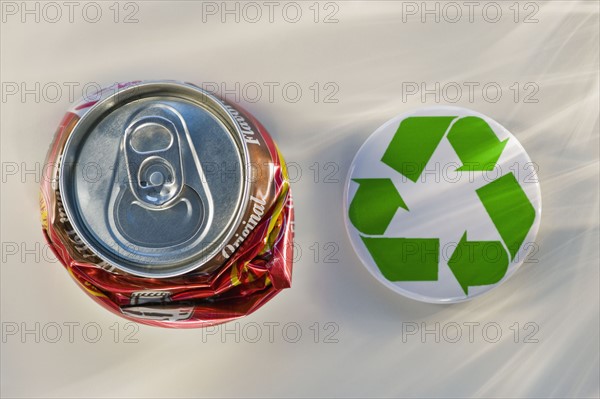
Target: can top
[{"x": 154, "y": 178}]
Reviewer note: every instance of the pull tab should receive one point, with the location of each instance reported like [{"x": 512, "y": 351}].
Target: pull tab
[
  {"x": 153, "y": 160},
  {"x": 164, "y": 209}
]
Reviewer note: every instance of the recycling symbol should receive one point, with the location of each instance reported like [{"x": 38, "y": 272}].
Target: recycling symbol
[{"x": 439, "y": 205}]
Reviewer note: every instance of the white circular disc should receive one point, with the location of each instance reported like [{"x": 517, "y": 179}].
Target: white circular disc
[{"x": 442, "y": 204}]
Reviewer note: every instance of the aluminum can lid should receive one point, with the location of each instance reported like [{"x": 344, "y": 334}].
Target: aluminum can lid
[{"x": 154, "y": 178}]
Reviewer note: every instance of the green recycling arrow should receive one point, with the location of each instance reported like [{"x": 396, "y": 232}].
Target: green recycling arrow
[
  {"x": 374, "y": 205},
  {"x": 473, "y": 263},
  {"x": 414, "y": 142},
  {"x": 405, "y": 259},
  {"x": 478, "y": 262},
  {"x": 510, "y": 210},
  {"x": 475, "y": 143}
]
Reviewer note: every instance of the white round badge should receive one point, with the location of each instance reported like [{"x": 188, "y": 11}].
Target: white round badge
[{"x": 442, "y": 204}]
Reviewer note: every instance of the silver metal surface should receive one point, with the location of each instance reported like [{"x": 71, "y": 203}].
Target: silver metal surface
[{"x": 153, "y": 178}]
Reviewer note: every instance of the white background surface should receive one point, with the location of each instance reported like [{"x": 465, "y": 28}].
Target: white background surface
[{"x": 371, "y": 54}]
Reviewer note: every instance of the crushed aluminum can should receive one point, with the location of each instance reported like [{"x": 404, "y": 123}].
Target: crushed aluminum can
[{"x": 168, "y": 205}]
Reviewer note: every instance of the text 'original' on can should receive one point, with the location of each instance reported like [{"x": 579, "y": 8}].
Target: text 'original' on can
[{"x": 168, "y": 205}]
